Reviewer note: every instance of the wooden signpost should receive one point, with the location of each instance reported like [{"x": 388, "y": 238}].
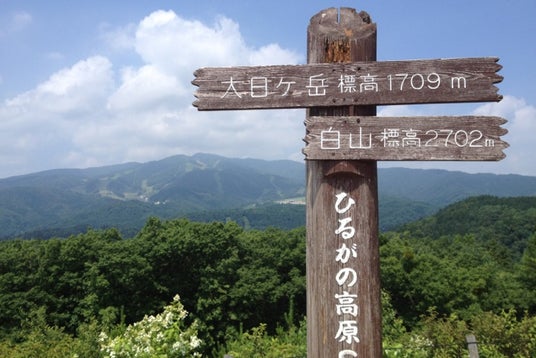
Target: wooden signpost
[
  {"x": 405, "y": 138},
  {"x": 340, "y": 87},
  {"x": 343, "y": 84}
]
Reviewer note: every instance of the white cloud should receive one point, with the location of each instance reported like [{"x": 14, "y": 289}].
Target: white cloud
[
  {"x": 15, "y": 22},
  {"x": 272, "y": 54},
  {"x": 95, "y": 113},
  {"x": 158, "y": 95},
  {"x": 81, "y": 117},
  {"x": 20, "y": 20},
  {"x": 120, "y": 38},
  {"x": 68, "y": 92},
  {"x": 521, "y": 129},
  {"x": 174, "y": 44},
  {"x": 36, "y": 127},
  {"x": 145, "y": 89},
  {"x": 54, "y": 56}
]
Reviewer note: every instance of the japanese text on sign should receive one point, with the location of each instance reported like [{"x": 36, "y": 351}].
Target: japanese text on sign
[
  {"x": 405, "y": 138},
  {"x": 319, "y": 84},
  {"x": 358, "y": 83},
  {"x": 345, "y": 300}
]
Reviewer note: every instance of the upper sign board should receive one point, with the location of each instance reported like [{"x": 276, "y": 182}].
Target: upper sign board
[{"x": 345, "y": 84}]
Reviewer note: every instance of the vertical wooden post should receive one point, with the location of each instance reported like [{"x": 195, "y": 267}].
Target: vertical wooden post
[
  {"x": 472, "y": 345},
  {"x": 343, "y": 275}
]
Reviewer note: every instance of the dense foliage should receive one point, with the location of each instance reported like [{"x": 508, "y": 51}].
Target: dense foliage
[
  {"x": 245, "y": 289},
  {"x": 227, "y": 277}
]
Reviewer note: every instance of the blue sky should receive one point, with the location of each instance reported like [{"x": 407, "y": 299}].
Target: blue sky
[{"x": 91, "y": 83}]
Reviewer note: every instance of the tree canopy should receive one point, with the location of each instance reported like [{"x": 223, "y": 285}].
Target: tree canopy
[{"x": 474, "y": 274}]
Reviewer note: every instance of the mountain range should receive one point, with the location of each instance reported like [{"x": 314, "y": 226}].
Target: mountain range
[{"x": 255, "y": 193}]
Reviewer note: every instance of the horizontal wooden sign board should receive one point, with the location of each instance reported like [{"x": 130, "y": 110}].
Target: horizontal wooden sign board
[
  {"x": 338, "y": 84},
  {"x": 471, "y": 138}
]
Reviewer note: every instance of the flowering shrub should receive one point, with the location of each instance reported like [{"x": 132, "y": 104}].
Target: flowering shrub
[{"x": 163, "y": 335}]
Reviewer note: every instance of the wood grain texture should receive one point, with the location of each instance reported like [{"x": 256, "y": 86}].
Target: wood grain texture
[
  {"x": 343, "y": 84},
  {"x": 343, "y": 36},
  {"x": 460, "y": 138}
]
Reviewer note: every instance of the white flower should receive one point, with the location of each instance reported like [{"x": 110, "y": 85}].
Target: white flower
[{"x": 153, "y": 335}]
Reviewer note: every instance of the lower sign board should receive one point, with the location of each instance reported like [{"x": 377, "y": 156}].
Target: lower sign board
[{"x": 461, "y": 138}]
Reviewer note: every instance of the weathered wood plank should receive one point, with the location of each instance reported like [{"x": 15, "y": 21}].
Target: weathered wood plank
[
  {"x": 462, "y": 138},
  {"x": 343, "y": 293},
  {"x": 344, "y": 84}
]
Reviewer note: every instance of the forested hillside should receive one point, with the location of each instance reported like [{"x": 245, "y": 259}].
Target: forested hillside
[
  {"x": 245, "y": 289},
  {"x": 208, "y": 187},
  {"x": 504, "y": 222},
  {"x": 125, "y": 196}
]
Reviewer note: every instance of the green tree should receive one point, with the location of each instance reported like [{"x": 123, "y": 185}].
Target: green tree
[
  {"x": 452, "y": 274},
  {"x": 39, "y": 339},
  {"x": 527, "y": 272},
  {"x": 504, "y": 334},
  {"x": 257, "y": 343}
]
